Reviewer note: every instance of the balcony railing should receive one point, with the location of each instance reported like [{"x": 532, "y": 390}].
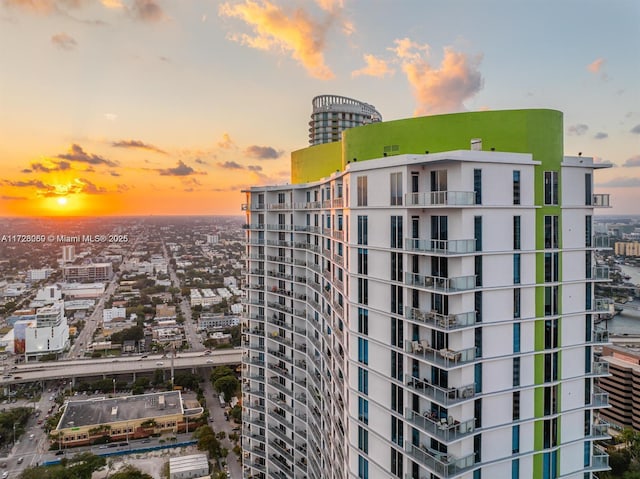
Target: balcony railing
[
  {"x": 600, "y": 335},
  {"x": 446, "y": 429},
  {"x": 435, "y": 283},
  {"x": 602, "y": 305},
  {"x": 441, "y": 198},
  {"x": 600, "y": 273},
  {"x": 601, "y": 200},
  {"x": 442, "y": 464},
  {"x": 599, "y": 462},
  {"x": 599, "y": 398},
  {"x": 440, "y": 246},
  {"x": 444, "y": 396},
  {"x": 279, "y": 206},
  {"x": 442, "y": 357},
  {"x": 446, "y": 321},
  {"x": 600, "y": 368}
]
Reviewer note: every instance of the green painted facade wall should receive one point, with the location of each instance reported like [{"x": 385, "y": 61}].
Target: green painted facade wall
[{"x": 538, "y": 132}]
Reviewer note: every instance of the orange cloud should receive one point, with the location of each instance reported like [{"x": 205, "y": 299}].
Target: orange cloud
[
  {"x": 376, "y": 67},
  {"x": 442, "y": 89},
  {"x": 273, "y": 29},
  {"x": 226, "y": 143},
  {"x": 44, "y": 6},
  {"x": 596, "y": 65}
]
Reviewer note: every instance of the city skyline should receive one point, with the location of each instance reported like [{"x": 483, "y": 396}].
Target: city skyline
[{"x": 147, "y": 107}]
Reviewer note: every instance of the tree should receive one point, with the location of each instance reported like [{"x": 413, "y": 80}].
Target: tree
[
  {"x": 221, "y": 371},
  {"x": 227, "y": 385},
  {"x": 130, "y": 472}
]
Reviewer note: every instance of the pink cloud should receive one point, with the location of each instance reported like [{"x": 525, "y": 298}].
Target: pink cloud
[
  {"x": 596, "y": 65},
  {"x": 375, "y": 67}
]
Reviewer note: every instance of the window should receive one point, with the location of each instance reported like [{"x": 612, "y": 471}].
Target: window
[
  {"x": 477, "y": 376},
  {"x": 397, "y": 365},
  {"x": 550, "y": 395},
  {"x": 363, "y": 351},
  {"x": 551, "y": 230},
  {"x": 477, "y": 185},
  {"x": 363, "y": 410},
  {"x": 395, "y": 180},
  {"x": 516, "y": 268},
  {"x": 362, "y": 191},
  {"x": 588, "y": 194},
  {"x": 397, "y": 397},
  {"x": 516, "y": 303},
  {"x": 439, "y": 232},
  {"x": 396, "y": 266},
  {"x": 478, "y": 270},
  {"x": 363, "y": 321},
  {"x": 478, "y": 342},
  {"x": 550, "y": 187},
  {"x": 516, "y": 187},
  {"x": 396, "y": 232},
  {"x": 396, "y": 463},
  {"x": 516, "y": 233},
  {"x": 363, "y": 227},
  {"x": 363, "y": 439},
  {"x": 363, "y": 468},
  {"x": 588, "y": 235},
  {"x": 551, "y": 300},
  {"x": 363, "y": 291},
  {"x": 550, "y": 333},
  {"x": 363, "y": 261},
  {"x": 550, "y": 367},
  {"x": 397, "y": 430},
  {"x": 477, "y": 232},
  {"x": 363, "y": 381},
  {"x": 515, "y": 469},
  {"x": 397, "y": 299},
  {"x": 515, "y": 406},
  {"x": 397, "y": 332},
  {"x": 516, "y": 371},
  {"x": 551, "y": 267},
  {"x": 515, "y": 439},
  {"x": 516, "y": 337}
]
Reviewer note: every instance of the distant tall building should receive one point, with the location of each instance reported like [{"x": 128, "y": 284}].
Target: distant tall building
[
  {"x": 49, "y": 333},
  {"x": 420, "y": 305},
  {"x": 332, "y": 114},
  {"x": 622, "y": 386},
  {"x": 631, "y": 248},
  {"x": 68, "y": 254},
  {"x": 88, "y": 273}
]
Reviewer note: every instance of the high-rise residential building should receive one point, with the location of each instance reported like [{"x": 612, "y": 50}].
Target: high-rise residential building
[
  {"x": 68, "y": 254},
  {"x": 420, "y": 305},
  {"x": 47, "y": 334},
  {"x": 622, "y": 385},
  {"x": 332, "y": 114}
]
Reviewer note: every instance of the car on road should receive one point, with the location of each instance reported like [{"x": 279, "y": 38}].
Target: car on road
[
  {"x": 60, "y": 452},
  {"x": 5, "y": 474},
  {"x": 20, "y": 459},
  {"x": 159, "y": 363}
]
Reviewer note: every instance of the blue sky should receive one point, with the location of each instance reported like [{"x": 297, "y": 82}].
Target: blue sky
[{"x": 152, "y": 106}]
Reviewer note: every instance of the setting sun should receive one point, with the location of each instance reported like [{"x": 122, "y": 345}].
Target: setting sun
[{"x": 62, "y": 201}]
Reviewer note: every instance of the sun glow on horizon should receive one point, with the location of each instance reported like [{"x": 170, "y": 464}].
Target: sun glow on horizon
[{"x": 62, "y": 201}]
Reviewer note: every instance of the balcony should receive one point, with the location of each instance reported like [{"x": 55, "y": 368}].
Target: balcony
[
  {"x": 445, "y": 429},
  {"x": 436, "y": 283},
  {"x": 601, "y": 241},
  {"x": 441, "y": 198},
  {"x": 602, "y": 305},
  {"x": 599, "y": 368},
  {"x": 444, "y": 396},
  {"x": 254, "y": 206},
  {"x": 445, "y": 321},
  {"x": 442, "y": 464},
  {"x": 600, "y": 273},
  {"x": 280, "y": 227},
  {"x": 442, "y": 357},
  {"x": 599, "y": 462},
  {"x": 279, "y": 206},
  {"x": 599, "y": 335},
  {"x": 253, "y": 226},
  {"x": 599, "y": 398},
  {"x": 440, "y": 246},
  {"x": 601, "y": 201},
  {"x": 599, "y": 431}
]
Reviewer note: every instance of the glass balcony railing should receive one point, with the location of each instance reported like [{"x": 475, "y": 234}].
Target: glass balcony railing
[
  {"x": 600, "y": 335},
  {"x": 442, "y": 464},
  {"x": 444, "y": 396},
  {"x": 600, "y": 368},
  {"x": 446, "y": 321},
  {"x": 602, "y": 305},
  {"x": 435, "y": 283},
  {"x": 446, "y": 429},
  {"x": 600, "y": 273},
  {"x": 601, "y": 200},
  {"x": 599, "y": 398},
  {"x": 441, "y": 246},
  {"x": 441, "y": 198},
  {"x": 441, "y": 357}
]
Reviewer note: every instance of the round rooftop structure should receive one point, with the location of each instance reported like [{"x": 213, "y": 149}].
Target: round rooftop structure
[{"x": 333, "y": 113}]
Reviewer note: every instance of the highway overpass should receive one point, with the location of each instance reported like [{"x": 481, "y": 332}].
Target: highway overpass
[{"x": 110, "y": 367}]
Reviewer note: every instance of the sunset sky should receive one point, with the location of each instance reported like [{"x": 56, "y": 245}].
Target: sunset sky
[{"x": 137, "y": 107}]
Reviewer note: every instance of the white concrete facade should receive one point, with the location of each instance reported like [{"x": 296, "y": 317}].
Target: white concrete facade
[{"x": 408, "y": 320}]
